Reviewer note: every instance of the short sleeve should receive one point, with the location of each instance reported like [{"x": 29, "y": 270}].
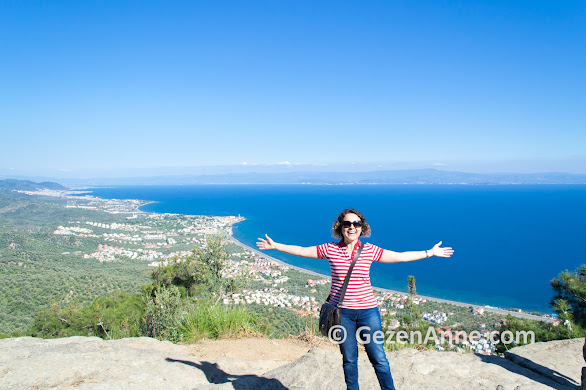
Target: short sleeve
[
  {"x": 322, "y": 251},
  {"x": 377, "y": 253}
]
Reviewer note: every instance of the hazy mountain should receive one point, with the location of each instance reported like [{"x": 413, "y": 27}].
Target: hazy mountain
[
  {"x": 27, "y": 185},
  {"x": 420, "y": 176}
]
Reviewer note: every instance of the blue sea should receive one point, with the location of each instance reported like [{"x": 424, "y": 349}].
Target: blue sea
[{"x": 509, "y": 241}]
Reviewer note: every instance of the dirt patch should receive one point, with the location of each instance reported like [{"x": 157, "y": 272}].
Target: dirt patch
[{"x": 259, "y": 348}]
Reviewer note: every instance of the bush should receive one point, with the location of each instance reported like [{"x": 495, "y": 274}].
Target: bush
[
  {"x": 280, "y": 321},
  {"x": 163, "y": 314},
  {"x": 217, "y": 321},
  {"x": 200, "y": 274},
  {"x": 543, "y": 331},
  {"x": 112, "y": 316},
  {"x": 118, "y": 315}
]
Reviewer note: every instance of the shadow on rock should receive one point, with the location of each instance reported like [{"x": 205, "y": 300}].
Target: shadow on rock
[
  {"x": 534, "y": 371},
  {"x": 240, "y": 382}
]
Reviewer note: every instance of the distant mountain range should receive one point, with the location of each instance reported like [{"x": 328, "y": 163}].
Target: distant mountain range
[
  {"x": 415, "y": 176},
  {"x": 422, "y": 176},
  {"x": 26, "y": 185}
]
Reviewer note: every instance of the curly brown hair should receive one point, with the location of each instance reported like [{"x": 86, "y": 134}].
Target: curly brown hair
[{"x": 337, "y": 225}]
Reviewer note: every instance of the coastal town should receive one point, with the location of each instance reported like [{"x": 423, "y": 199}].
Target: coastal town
[{"x": 157, "y": 238}]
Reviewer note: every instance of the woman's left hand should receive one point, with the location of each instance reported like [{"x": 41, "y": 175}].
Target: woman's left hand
[{"x": 441, "y": 252}]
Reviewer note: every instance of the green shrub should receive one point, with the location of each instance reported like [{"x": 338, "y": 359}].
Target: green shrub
[
  {"x": 117, "y": 315},
  {"x": 113, "y": 316},
  {"x": 163, "y": 314},
  {"x": 278, "y": 322},
  {"x": 543, "y": 331},
  {"x": 207, "y": 320}
]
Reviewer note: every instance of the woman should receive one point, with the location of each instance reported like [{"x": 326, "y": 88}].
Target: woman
[{"x": 359, "y": 308}]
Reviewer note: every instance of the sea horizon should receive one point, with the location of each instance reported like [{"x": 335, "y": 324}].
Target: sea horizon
[{"x": 508, "y": 273}]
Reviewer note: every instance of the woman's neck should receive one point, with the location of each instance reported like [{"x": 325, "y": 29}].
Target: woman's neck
[{"x": 350, "y": 245}]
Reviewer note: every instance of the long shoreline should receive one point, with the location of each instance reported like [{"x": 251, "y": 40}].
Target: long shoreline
[
  {"x": 491, "y": 309},
  {"x": 262, "y": 254}
]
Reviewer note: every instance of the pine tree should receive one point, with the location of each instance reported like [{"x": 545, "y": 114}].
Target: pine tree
[
  {"x": 569, "y": 300},
  {"x": 413, "y": 314}
]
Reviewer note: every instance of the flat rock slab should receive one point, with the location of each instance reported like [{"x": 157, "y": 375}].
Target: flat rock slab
[
  {"x": 132, "y": 363},
  {"x": 414, "y": 370},
  {"x": 145, "y": 363},
  {"x": 559, "y": 360}
]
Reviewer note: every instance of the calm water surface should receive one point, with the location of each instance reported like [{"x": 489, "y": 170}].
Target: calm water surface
[{"x": 510, "y": 241}]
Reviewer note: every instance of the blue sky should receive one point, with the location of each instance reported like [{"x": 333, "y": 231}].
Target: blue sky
[{"x": 110, "y": 88}]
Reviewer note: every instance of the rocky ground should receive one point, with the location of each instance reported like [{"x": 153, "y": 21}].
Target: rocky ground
[{"x": 257, "y": 363}]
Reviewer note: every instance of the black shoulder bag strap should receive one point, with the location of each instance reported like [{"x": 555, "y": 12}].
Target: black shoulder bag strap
[{"x": 347, "y": 280}]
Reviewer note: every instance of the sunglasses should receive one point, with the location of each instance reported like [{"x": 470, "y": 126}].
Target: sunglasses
[{"x": 347, "y": 224}]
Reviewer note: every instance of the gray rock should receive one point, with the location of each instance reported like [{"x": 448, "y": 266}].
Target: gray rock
[
  {"x": 320, "y": 369},
  {"x": 559, "y": 360},
  {"x": 143, "y": 363},
  {"x": 133, "y": 363},
  {"x": 92, "y": 363}
]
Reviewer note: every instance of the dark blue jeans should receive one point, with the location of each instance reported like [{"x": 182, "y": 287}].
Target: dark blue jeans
[{"x": 370, "y": 322}]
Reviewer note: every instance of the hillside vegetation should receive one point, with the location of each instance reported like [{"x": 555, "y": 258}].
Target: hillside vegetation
[
  {"x": 38, "y": 267},
  {"x": 73, "y": 266}
]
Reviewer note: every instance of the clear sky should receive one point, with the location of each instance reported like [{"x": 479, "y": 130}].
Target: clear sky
[{"x": 107, "y": 88}]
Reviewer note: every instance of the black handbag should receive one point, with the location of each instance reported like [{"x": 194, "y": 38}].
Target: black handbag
[{"x": 330, "y": 315}]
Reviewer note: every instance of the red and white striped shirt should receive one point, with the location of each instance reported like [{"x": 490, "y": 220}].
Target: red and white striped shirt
[{"x": 359, "y": 292}]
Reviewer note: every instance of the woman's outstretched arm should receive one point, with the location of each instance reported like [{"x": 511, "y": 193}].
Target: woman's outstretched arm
[
  {"x": 303, "y": 251},
  {"x": 399, "y": 257}
]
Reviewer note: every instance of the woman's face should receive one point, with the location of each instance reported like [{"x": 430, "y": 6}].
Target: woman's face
[{"x": 351, "y": 233}]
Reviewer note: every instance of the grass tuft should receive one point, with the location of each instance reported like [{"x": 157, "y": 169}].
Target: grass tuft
[{"x": 206, "y": 320}]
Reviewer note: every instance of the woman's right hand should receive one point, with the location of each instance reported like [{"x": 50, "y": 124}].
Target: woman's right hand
[{"x": 265, "y": 244}]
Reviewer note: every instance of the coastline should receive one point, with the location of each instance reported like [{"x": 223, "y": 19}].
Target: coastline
[
  {"x": 230, "y": 236},
  {"x": 281, "y": 262},
  {"x": 491, "y": 309}
]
